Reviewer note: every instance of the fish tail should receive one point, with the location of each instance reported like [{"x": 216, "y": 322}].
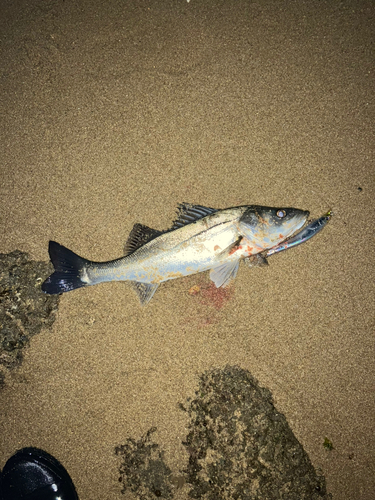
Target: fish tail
[{"x": 69, "y": 269}]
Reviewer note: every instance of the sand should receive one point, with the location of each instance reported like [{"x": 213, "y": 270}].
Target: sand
[{"x": 113, "y": 113}]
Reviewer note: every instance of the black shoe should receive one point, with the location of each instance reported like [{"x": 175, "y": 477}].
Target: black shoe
[{"x": 32, "y": 474}]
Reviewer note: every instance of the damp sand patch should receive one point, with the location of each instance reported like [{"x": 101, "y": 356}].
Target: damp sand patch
[
  {"x": 239, "y": 446},
  {"x": 24, "y": 308},
  {"x": 143, "y": 470}
]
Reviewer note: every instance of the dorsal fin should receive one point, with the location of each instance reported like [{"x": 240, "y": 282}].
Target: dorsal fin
[
  {"x": 139, "y": 236},
  {"x": 188, "y": 213}
]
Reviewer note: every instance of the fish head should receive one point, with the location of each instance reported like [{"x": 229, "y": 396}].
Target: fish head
[{"x": 266, "y": 227}]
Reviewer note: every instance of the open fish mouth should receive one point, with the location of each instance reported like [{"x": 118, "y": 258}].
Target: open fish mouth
[{"x": 312, "y": 228}]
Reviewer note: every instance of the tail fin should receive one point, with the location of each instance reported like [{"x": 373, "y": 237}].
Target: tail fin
[{"x": 68, "y": 267}]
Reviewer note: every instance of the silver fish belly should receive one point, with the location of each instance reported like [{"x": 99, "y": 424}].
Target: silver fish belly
[{"x": 200, "y": 239}]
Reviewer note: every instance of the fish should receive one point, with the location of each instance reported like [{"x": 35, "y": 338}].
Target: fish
[
  {"x": 313, "y": 228},
  {"x": 200, "y": 239}
]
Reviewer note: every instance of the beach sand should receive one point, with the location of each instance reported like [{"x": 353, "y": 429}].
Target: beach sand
[{"x": 113, "y": 113}]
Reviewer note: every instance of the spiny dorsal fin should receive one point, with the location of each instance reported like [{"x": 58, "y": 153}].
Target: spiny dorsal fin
[
  {"x": 139, "y": 236},
  {"x": 188, "y": 213}
]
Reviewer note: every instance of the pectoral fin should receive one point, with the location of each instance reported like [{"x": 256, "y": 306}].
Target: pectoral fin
[
  {"x": 145, "y": 291},
  {"x": 223, "y": 274}
]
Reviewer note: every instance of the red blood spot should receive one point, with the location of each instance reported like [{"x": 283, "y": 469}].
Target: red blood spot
[
  {"x": 216, "y": 297},
  {"x": 211, "y": 300}
]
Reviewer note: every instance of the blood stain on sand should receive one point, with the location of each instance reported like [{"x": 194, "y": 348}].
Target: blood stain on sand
[
  {"x": 212, "y": 299},
  {"x": 216, "y": 297}
]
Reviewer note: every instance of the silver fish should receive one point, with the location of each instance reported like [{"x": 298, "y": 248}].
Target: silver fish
[{"x": 200, "y": 239}]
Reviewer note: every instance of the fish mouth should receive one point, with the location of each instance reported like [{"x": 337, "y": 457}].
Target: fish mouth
[
  {"x": 307, "y": 222},
  {"x": 302, "y": 220},
  {"x": 307, "y": 232}
]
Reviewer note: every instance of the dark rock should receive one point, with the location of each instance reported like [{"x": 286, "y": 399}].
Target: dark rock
[
  {"x": 241, "y": 447},
  {"x": 143, "y": 470},
  {"x": 24, "y": 308}
]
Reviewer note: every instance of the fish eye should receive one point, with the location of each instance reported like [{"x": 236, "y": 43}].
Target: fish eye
[{"x": 281, "y": 214}]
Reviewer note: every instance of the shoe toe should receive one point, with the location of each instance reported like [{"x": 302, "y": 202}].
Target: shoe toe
[{"x": 33, "y": 474}]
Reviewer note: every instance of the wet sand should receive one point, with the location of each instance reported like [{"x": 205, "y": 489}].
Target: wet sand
[{"x": 113, "y": 113}]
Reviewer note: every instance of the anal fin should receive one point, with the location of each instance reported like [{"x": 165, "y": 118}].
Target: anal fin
[{"x": 145, "y": 291}]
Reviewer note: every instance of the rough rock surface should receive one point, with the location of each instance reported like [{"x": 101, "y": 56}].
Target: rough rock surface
[
  {"x": 240, "y": 448},
  {"x": 143, "y": 469},
  {"x": 24, "y": 308}
]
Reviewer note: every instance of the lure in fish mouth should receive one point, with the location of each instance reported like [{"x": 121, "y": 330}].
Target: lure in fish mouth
[{"x": 200, "y": 239}]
